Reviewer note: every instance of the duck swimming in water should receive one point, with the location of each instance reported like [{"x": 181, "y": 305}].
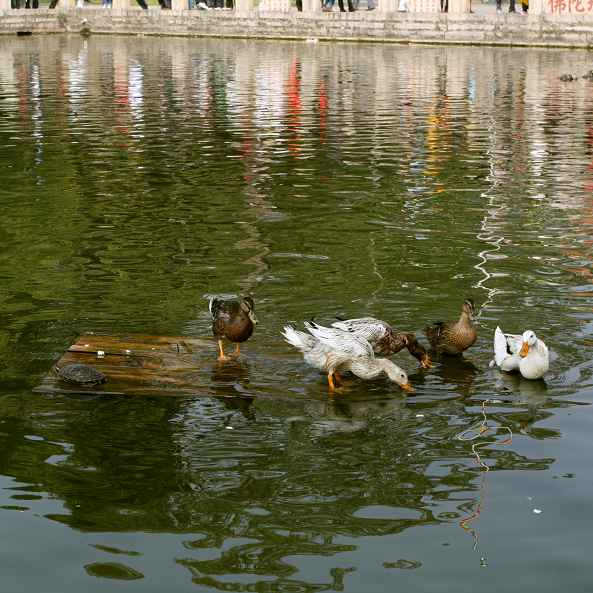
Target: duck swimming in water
[
  {"x": 234, "y": 319},
  {"x": 525, "y": 353},
  {"x": 333, "y": 350},
  {"x": 384, "y": 339},
  {"x": 454, "y": 337}
]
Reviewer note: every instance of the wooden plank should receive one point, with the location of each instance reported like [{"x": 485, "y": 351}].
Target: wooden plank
[{"x": 139, "y": 365}]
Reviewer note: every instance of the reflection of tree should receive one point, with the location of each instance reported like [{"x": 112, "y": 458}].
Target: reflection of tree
[{"x": 258, "y": 493}]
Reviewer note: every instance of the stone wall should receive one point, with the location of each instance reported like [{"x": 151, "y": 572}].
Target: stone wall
[{"x": 499, "y": 29}]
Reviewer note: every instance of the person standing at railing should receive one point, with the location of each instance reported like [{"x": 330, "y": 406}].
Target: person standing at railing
[
  {"x": 524, "y": 6},
  {"x": 328, "y": 6}
]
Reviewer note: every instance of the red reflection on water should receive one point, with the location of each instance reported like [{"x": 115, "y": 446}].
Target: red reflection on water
[
  {"x": 121, "y": 98},
  {"x": 323, "y": 100},
  {"x": 295, "y": 107}
]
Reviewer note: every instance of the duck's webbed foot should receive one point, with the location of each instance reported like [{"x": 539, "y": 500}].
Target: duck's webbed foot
[{"x": 426, "y": 362}]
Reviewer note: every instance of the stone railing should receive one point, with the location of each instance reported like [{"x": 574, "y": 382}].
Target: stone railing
[
  {"x": 549, "y": 8},
  {"x": 308, "y": 6}
]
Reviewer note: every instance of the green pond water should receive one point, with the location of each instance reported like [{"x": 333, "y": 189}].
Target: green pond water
[{"x": 140, "y": 175}]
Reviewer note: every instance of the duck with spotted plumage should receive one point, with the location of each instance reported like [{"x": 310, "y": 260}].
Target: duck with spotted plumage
[
  {"x": 454, "y": 337},
  {"x": 384, "y": 339},
  {"x": 233, "y": 318}
]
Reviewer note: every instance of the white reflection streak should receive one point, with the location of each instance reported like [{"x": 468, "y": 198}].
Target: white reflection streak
[
  {"x": 269, "y": 102},
  {"x": 77, "y": 83},
  {"x": 136, "y": 92},
  {"x": 487, "y": 233},
  {"x": 201, "y": 85},
  {"x": 37, "y": 113},
  {"x": 7, "y": 75}
]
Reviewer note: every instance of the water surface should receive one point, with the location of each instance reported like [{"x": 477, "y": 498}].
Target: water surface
[{"x": 141, "y": 175}]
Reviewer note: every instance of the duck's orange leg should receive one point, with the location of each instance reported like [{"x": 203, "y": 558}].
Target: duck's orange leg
[
  {"x": 332, "y": 381},
  {"x": 237, "y": 351},
  {"x": 221, "y": 354}
]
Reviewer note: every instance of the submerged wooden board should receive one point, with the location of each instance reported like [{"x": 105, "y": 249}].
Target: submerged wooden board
[{"x": 139, "y": 365}]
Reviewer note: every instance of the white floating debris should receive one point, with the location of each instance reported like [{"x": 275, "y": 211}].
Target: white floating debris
[
  {"x": 419, "y": 415},
  {"x": 229, "y": 427},
  {"x": 537, "y": 511},
  {"x": 100, "y": 353},
  {"x": 128, "y": 352}
]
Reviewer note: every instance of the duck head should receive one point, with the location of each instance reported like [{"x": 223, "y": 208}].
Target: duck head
[
  {"x": 529, "y": 340},
  {"x": 469, "y": 309},
  {"x": 248, "y": 306},
  {"x": 396, "y": 374}
]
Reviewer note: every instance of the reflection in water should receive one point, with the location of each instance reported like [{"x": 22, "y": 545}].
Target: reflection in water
[{"x": 140, "y": 174}]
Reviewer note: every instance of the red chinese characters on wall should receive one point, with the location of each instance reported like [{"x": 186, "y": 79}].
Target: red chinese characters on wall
[{"x": 569, "y": 6}]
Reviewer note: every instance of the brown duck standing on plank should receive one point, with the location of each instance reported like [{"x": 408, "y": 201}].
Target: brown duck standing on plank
[
  {"x": 384, "y": 339},
  {"x": 234, "y": 319},
  {"x": 454, "y": 337}
]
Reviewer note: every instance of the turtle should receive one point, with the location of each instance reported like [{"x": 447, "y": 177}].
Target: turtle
[{"x": 79, "y": 372}]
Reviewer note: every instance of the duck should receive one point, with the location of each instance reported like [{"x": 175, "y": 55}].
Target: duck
[
  {"x": 525, "y": 353},
  {"x": 334, "y": 350},
  {"x": 233, "y": 318},
  {"x": 454, "y": 337},
  {"x": 384, "y": 339}
]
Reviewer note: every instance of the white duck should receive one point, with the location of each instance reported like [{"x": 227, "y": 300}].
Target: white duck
[
  {"x": 525, "y": 353},
  {"x": 332, "y": 350}
]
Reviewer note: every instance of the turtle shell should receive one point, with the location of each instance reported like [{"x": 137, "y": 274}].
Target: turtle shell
[{"x": 81, "y": 373}]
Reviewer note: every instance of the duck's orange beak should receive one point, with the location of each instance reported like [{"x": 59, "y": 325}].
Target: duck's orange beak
[
  {"x": 524, "y": 350},
  {"x": 407, "y": 387}
]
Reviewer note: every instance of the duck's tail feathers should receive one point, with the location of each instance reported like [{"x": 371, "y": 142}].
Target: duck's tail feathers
[
  {"x": 500, "y": 346},
  {"x": 300, "y": 340}
]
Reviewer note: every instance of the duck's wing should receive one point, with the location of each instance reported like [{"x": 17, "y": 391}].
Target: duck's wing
[
  {"x": 542, "y": 351},
  {"x": 435, "y": 332},
  {"x": 371, "y": 329},
  {"x": 514, "y": 343},
  {"x": 340, "y": 340},
  {"x": 506, "y": 350},
  {"x": 541, "y": 345},
  {"x": 223, "y": 308}
]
